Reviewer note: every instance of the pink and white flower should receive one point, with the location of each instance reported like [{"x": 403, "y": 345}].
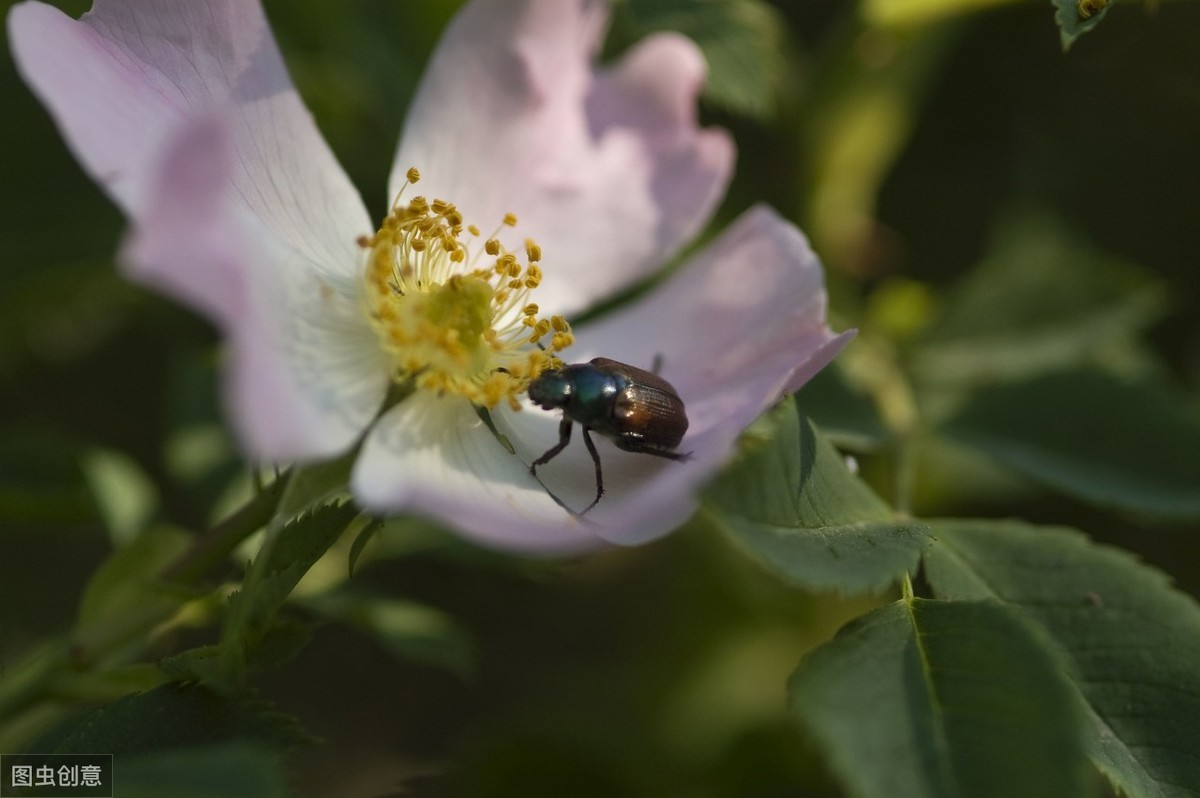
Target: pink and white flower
[{"x": 184, "y": 112}]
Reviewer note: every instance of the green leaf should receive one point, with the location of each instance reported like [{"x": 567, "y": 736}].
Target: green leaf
[
  {"x": 407, "y": 629},
  {"x": 922, "y": 12},
  {"x": 315, "y": 484},
  {"x": 110, "y": 684},
  {"x": 846, "y": 415},
  {"x": 793, "y": 505},
  {"x": 857, "y": 129},
  {"x": 1132, "y": 640},
  {"x": 364, "y": 536},
  {"x": 1077, "y": 17},
  {"x": 228, "y": 770},
  {"x": 126, "y": 497},
  {"x": 195, "y": 451},
  {"x": 200, "y": 664},
  {"x": 296, "y": 549},
  {"x": 742, "y": 41},
  {"x": 946, "y": 699},
  {"x": 273, "y": 647},
  {"x": 1044, "y": 299},
  {"x": 173, "y": 716},
  {"x": 126, "y": 595},
  {"x": 1131, "y": 446}
]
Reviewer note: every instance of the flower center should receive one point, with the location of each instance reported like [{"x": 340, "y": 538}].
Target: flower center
[{"x": 453, "y": 318}]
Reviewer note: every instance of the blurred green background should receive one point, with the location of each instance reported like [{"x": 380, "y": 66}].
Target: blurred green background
[{"x": 910, "y": 155}]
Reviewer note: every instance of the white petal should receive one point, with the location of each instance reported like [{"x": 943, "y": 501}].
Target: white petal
[
  {"x": 125, "y": 79},
  {"x": 645, "y": 497},
  {"x": 185, "y": 113},
  {"x": 749, "y": 307},
  {"x": 434, "y": 456},
  {"x": 738, "y": 326},
  {"x": 305, "y": 373},
  {"x": 608, "y": 172}
]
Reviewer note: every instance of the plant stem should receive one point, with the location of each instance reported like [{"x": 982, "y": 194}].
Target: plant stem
[
  {"x": 216, "y": 544},
  {"x": 28, "y": 682}
]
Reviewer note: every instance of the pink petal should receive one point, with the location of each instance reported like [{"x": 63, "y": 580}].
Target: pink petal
[
  {"x": 645, "y": 497},
  {"x": 435, "y": 457},
  {"x": 608, "y": 171},
  {"x": 305, "y": 373},
  {"x": 750, "y": 306},
  {"x": 737, "y": 327},
  {"x": 124, "y": 79},
  {"x": 185, "y": 114}
]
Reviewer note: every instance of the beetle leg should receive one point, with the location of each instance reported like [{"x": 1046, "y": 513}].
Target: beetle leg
[
  {"x": 591, "y": 447},
  {"x": 564, "y": 437}
]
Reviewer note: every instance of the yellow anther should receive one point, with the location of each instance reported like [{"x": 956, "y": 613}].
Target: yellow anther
[
  {"x": 448, "y": 322},
  {"x": 413, "y": 174},
  {"x": 510, "y": 219},
  {"x": 532, "y": 250}
]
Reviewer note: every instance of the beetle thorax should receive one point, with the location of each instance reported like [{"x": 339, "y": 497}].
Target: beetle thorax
[{"x": 593, "y": 394}]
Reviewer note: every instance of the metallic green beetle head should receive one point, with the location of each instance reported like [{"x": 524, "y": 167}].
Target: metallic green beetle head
[{"x": 551, "y": 389}]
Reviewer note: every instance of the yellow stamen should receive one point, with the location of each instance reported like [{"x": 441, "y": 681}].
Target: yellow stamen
[{"x": 450, "y": 324}]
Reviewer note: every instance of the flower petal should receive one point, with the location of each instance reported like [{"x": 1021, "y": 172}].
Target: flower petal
[
  {"x": 435, "y": 456},
  {"x": 122, "y": 80},
  {"x": 645, "y": 497},
  {"x": 185, "y": 114},
  {"x": 738, "y": 326},
  {"x": 607, "y": 171},
  {"x": 751, "y": 305},
  {"x": 746, "y": 324},
  {"x": 306, "y": 374}
]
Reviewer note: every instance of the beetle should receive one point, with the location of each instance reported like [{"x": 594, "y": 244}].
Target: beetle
[{"x": 637, "y": 409}]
